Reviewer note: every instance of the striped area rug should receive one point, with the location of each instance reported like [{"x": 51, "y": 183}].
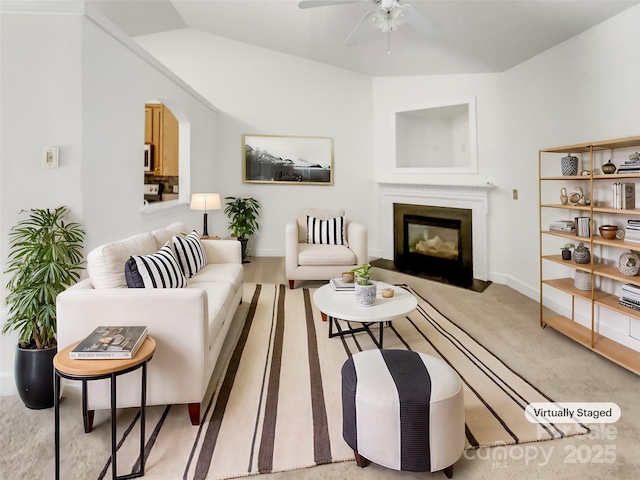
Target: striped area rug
[{"x": 278, "y": 406}]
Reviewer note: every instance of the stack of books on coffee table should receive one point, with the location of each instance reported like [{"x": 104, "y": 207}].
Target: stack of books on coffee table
[{"x": 340, "y": 286}]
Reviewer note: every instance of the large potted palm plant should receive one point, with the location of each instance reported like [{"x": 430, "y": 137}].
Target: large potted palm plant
[
  {"x": 45, "y": 257},
  {"x": 243, "y": 219}
]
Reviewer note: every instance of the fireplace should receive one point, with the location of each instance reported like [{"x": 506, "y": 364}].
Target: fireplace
[{"x": 434, "y": 241}]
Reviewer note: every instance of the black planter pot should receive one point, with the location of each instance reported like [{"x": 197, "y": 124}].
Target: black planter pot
[
  {"x": 243, "y": 242},
  {"x": 566, "y": 254},
  {"x": 34, "y": 376}
]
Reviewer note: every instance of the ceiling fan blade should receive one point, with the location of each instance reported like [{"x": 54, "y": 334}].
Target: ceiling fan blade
[
  {"x": 361, "y": 30},
  {"x": 424, "y": 25},
  {"x": 323, "y": 3}
]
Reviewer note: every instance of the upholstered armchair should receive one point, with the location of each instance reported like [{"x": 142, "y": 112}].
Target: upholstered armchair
[{"x": 321, "y": 244}]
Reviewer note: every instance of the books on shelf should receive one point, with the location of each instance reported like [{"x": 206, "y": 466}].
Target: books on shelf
[
  {"x": 632, "y": 231},
  {"x": 625, "y": 303},
  {"x": 110, "y": 343},
  {"x": 582, "y": 226},
  {"x": 630, "y": 166},
  {"x": 624, "y": 195},
  {"x": 339, "y": 286},
  {"x": 563, "y": 226}
]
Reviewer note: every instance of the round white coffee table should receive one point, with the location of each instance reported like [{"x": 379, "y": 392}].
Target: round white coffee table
[{"x": 343, "y": 306}]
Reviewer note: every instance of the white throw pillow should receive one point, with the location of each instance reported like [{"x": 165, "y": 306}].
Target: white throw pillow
[
  {"x": 190, "y": 253},
  {"x": 325, "y": 232}
]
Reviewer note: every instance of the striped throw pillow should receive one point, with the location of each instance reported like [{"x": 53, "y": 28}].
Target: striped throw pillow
[
  {"x": 326, "y": 232},
  {"x": 190, "y": 253},
  {"x": 158, "y": 270}
]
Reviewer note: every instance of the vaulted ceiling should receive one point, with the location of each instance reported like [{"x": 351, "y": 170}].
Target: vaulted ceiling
[{"x": 478, "y": 36}]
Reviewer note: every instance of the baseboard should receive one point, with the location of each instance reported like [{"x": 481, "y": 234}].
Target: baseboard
[{"x": 521, "y": 287}]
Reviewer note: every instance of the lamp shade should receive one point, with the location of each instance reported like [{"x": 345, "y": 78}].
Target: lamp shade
[{"x": 205, "y": 201}]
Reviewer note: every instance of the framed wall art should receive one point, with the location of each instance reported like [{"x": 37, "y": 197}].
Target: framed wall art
[{"x": 287, "y": 159}]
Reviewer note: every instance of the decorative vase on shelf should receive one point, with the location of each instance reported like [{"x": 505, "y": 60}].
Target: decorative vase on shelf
[
  {"x": 581, "y": 254},
  {"x": 569, "y": 165},
  {"x": 563, "y": 196},
  {"x": 609, "y": 167},
  {"x": 629, "y": 264},
  {"x": 582, "y": 280}
]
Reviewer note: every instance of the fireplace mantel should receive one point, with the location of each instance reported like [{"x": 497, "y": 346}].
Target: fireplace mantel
[{"x": 472, "y": 197}]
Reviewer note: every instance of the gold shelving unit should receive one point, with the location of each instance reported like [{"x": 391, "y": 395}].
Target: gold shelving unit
[{"x": 595, "y": 298}]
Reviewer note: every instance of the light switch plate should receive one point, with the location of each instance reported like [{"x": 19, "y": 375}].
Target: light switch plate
[{"x": 50, "y": 157}]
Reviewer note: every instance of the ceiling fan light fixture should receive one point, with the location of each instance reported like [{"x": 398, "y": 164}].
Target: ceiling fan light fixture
[{"x": 398, "y": 16}]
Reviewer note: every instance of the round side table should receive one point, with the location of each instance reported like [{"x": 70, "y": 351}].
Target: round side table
[{"x": 86, "y": 370}]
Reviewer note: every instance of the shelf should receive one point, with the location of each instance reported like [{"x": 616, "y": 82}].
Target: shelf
[
  {"x": 586, "y": 267},
  {"x": 611, "y": 302},
  {"x": 571, "y": 329},
  {"x": 618, "y": 211},
  {"x": 566, "y": 285},
  {"x": 599, "y": 269},
  {"x": 585, "y": 208},
  {"x": 611, "y": 350},
  {"x": 625, "y": 142},
  {"x": 569, "y": 235}
]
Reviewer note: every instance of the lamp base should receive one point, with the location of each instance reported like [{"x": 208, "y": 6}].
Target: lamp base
[{"x": 205, "y": 230}]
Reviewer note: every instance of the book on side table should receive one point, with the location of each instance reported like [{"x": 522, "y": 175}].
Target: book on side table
[{"x": 110, "y": 343}]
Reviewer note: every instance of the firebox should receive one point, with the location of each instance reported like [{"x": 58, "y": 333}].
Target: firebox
[{"x": 434, "y": 242}]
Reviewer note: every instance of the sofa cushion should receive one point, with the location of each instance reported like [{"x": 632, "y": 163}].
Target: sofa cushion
[
  {"x": 190, "y": 253},
  {"x": 219, "y": 301},
  {"x": 309, "y": 254},
  {"x": 158, "y": 270},
  {"x": 165, "y": 234},
  {"x": 105, "y": 264},
  {"x": 325, "y": 232},
  {"x": 220, "y": 272}
]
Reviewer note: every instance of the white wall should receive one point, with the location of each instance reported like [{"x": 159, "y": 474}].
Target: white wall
[
  {"x": 585, "y": 89},
  {"x": 67, "y": 83},
  {"x": 264, "y": 92}
]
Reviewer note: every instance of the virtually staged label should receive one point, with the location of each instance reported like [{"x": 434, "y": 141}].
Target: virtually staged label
[{"x": 570, "y": 412}]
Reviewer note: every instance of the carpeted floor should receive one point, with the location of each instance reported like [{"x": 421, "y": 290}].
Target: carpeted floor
[{"x": 500, "y": 318}]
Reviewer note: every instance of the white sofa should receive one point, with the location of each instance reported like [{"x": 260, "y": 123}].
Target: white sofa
[
  {"x": 189, "y": 324},
  {"x": 308, "y": 261}
]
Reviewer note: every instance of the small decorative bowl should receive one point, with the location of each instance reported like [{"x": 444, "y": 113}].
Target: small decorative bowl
[
  {"x": 387, "y": 292},
  {"x": 608, "y": 231},
  {"x": 348, "y": 277}
]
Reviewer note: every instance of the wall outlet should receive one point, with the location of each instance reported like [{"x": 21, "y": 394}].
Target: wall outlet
[
  {"x": 50, "y": 157},
  {"x": 515, "y": 194}
]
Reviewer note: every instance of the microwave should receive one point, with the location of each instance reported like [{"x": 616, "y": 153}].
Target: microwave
[{"x": 148, "y": 158}]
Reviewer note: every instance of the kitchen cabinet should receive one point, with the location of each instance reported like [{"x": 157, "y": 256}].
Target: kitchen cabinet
[
  {"x": 600, "y": 302},
  {"x": 161, "y": 131}
]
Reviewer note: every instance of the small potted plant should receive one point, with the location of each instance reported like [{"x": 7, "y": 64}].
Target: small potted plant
[
  {"x": 365, "y": 289},
  {"x": 45, "y": 257},
  {"x": 566, "y": 250},
  {"x": 243, "y": 220}
]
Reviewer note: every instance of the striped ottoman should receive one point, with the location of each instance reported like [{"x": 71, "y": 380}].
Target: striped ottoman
[{"x": 403, "y": 410}]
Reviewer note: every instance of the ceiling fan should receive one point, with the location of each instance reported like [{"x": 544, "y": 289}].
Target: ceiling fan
[{"x": 387, "y": 17}]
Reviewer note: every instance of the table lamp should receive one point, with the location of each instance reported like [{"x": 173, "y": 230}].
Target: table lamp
[{"x": 205, "y": 201}]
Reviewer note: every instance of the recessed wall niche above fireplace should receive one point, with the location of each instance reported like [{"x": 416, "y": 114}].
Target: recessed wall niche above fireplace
[{"x": 434, "y": 241}]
